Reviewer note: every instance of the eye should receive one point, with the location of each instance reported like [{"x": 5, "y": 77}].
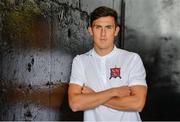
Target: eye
[
  {"x": 109, "y": 26},
  {"x": 98, "y": 27}
]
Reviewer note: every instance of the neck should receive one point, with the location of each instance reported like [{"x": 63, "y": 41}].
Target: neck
[{"x": 103, "y": 51}]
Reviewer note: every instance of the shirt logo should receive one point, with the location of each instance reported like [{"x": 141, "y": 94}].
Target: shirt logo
[{"x": 115, "y": 72}]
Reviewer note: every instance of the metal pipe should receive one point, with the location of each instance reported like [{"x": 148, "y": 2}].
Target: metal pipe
[{"x": 122, "y": 24}]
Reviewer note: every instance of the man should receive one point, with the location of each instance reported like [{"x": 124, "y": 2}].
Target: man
[{"x": 107, "y": 83}]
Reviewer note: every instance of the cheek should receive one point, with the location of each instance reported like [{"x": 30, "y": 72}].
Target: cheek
[
  {"x": 96, "y": 35},
  {"x": 111, "y": 35}
]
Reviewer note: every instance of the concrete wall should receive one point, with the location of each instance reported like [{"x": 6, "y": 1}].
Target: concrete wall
[
  {"x": 38, "y": 40},
  {"x": 153, "y": 30}
]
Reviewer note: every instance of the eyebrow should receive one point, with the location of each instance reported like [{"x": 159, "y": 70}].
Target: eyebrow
[{"x": 102, "y": 26}]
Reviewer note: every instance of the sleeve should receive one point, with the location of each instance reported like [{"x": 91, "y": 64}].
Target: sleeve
[
  {"x": 77, "y": 72},
  {"x": 137, "y": 74}
]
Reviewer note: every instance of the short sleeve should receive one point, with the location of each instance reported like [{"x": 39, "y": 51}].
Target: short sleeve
[
  {"x": 137, "y": 74},
  {"x": 77, "y": 72}
]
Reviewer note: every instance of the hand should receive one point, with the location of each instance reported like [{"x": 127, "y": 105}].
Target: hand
[
  {"x": 87, "y": 90},
  {"x": 122, "y": 91}
]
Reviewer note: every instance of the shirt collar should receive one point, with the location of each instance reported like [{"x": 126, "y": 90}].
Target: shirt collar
[{"x": 106, "y": 56}]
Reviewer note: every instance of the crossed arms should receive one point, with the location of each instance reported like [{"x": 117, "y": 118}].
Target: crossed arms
[{"x": 120, "y": 98}]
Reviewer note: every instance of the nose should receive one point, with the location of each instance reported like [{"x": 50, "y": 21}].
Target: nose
[{"x": 103, "y": 32}]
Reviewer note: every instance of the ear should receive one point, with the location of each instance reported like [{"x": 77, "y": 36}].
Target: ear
[
  {"x": 90, "y": 31},
  {"x": 117, "y": 30}
]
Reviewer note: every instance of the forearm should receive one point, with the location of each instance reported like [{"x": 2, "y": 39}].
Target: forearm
[
  {"x": 129, "y": 103},
  {"x": 80, "y": 102},
  {"x": 133, "y": 102}
]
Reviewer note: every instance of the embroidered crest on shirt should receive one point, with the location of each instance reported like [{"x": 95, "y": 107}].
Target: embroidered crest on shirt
[{"x": 115, "y": 72}]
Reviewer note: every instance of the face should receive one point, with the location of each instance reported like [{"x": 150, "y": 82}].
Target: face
[{"x": 103, "y": 31}]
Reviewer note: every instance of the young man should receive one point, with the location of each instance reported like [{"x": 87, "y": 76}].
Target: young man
[{"x": 107, "y": 83}]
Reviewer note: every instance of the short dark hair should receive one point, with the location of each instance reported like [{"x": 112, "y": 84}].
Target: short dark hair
[{"x": 103, "y": 11}]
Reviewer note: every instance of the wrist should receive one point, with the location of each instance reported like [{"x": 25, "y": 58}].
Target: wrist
[{"x": 113, "y": 92}]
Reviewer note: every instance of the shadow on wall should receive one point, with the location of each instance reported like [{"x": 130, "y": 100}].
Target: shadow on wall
[{"x": 161, "y": 57}]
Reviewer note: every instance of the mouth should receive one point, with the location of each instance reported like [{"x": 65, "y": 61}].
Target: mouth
[{"x": 103, "y": 39}]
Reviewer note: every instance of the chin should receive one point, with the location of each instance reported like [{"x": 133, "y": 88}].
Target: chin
[{"x": 103, "y": 47}]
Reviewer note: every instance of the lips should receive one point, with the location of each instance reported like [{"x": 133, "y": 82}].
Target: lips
[{"x": 103, "y": 39}]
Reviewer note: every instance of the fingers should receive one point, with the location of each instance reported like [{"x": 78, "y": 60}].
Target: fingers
[
  {"x": 86, "y": 90},
  {"x": 123, "y": 91}
]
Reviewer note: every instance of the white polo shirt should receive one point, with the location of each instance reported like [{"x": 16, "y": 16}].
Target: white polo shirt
[{"x": 118, "y": 68}]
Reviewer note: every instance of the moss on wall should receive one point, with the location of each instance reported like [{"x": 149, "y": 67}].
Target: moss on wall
[{"x": 24, "y": 25}]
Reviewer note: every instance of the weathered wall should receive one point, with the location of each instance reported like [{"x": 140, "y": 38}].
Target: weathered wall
[
  {"x": 38, "y": 40},
  {"x": 153, "y": 30}
]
